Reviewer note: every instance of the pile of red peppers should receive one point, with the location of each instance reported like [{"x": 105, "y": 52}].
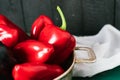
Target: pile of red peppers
[{"x": 37, "y": 56}]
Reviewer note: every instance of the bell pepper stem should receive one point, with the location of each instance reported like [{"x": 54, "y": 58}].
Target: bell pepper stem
[{"x": 63, "y": 26}]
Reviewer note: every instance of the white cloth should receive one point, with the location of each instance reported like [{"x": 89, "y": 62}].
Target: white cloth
[{"x": 106, "y": 45}]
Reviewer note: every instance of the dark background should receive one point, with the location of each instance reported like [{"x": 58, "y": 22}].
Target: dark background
[{"x": 84, "y": 17}]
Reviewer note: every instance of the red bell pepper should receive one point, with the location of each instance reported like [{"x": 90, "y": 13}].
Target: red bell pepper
[
  {"x": 10, "y": 33},
  {"x": 32, "y": 71},
  {"x": 62, "y": 40},
  {"x": 8, "y": 36},
  {"x": 32, "y": 51},
  {"x": 39, "y": 24}
]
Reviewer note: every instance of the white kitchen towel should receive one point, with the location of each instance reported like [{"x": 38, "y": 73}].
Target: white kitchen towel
[{"x": 106, "y": 45}]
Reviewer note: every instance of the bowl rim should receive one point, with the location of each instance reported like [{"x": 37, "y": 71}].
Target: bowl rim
[{"x": 68, "y": 70}]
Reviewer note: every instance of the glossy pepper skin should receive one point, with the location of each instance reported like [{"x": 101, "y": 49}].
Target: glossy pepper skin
[
  {"x": 39, "y": 24},
  {"x": 8, "y": 36},
  {"x": 32, "y": 51},
  {"x": 62, "y": 41},
  {"x": 31, "y": 71},
  {"x": 18, "y": 33}
]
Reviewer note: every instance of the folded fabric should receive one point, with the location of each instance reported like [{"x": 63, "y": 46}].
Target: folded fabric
[{"x": 106, "y": 45}]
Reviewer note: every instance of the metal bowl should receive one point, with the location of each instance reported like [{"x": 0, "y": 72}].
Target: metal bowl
[{"x": 69, "y": 64}]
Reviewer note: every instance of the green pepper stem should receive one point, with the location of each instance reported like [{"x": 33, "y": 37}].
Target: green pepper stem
[{"x": 63, "y": 26}]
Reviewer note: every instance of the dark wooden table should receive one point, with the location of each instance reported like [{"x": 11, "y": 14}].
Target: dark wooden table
[{"x": 84, "y": 17}]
